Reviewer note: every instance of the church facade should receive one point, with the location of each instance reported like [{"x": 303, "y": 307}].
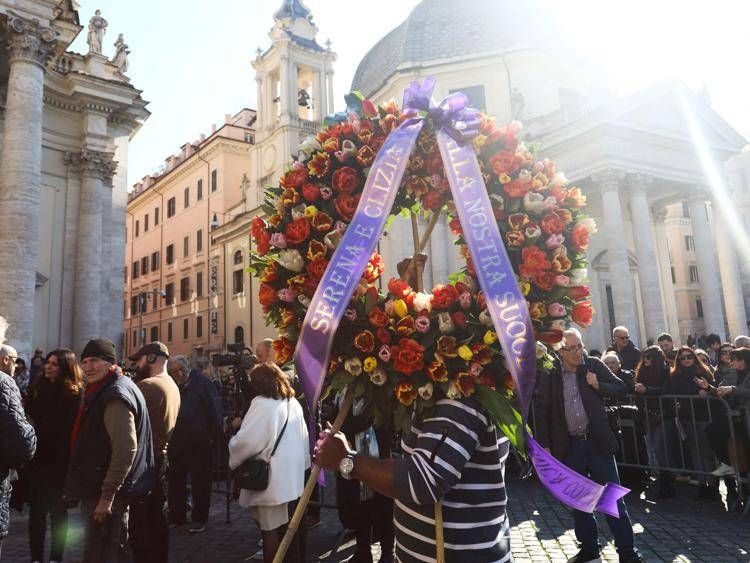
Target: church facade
[
  {"x": 66, "y": 121},
  {"x": 651, "y": 164}
]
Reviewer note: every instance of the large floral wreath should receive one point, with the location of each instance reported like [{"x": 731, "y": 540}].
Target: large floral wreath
[{"x": 406, "y": 348}]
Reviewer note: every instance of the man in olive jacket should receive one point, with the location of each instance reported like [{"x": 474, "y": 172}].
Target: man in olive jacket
[{"x": 571, "y": 423}]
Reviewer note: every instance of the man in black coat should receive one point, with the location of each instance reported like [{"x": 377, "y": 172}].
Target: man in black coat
[
  {"x": 571, "y": 424},
  {"x": 629, "y": 355},
  {"x": 17, "y": 438}
]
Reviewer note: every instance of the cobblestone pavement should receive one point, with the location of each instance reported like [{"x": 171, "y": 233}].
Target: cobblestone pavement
[{"x": 677, "y": 530}]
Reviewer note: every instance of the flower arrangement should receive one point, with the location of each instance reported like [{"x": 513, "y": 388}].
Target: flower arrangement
[{"x": 407, "y": 347}]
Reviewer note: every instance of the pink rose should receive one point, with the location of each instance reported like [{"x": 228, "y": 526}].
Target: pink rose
[
  {"x": 550, "y": 204},
  {"x": 465, "y": 300},
  {"x": 555, "y": 241},
  {"x": 286, "y": 295},
  {"x": 475, "y": 369},
  {"x": 562, "y": 281},
  {"x": 350, "y": 315},
  {"x": 326, "y": 193},
  {"x": 388, "y": 307},
  {"x": 556, "y": 309},
  {"x": 384, "y": 353},
  {"x": 278, "y": 240},
  {"x": 422, "y": 324},
  {"x": 340, "y": 226}
]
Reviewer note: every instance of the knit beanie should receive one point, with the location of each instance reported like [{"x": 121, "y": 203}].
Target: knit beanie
[{"x": 100, "y": 348}]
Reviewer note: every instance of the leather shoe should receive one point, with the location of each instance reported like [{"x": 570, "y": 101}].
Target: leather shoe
[
  {"x": 584, "y": 556},
  {"x": 632, "y": 557}
]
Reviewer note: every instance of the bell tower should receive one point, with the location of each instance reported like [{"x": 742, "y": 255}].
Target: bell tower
[{"x": 294, "y": 77}]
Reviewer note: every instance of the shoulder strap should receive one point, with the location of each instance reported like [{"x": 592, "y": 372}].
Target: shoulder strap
[{"x": 276, "y": 445}]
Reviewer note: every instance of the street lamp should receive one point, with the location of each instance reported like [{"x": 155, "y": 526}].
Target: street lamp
[{"x": 142, "y": 295}]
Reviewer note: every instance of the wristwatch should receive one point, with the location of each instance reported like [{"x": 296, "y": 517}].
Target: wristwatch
[{"x": 346, "y": 465}]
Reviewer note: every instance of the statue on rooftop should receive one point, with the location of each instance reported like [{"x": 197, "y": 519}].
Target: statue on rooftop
[
  {"x": 97, "y": 27},
  {"x": 120, "y": 60}
]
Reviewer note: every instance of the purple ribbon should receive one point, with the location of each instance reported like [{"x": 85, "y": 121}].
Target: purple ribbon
[{"x": 456, "y": 124}]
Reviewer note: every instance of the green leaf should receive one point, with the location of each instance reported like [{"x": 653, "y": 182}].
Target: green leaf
[
  {"x": 340, "y": 380},
  {"x": 505, "y": 417},
  {"x": 402, "y": 419}
]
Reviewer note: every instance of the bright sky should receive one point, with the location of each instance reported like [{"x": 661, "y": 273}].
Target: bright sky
[{"x": 192, "y": 59}]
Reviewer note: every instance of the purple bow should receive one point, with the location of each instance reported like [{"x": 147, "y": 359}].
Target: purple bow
[{"x": 451, "y": 115}]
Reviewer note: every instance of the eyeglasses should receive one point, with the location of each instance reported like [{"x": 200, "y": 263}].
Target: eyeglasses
[
  {"x": 572, "y": 348},
  {"x": 724, "y": 352},
  {"x": 683, "y": 358}
]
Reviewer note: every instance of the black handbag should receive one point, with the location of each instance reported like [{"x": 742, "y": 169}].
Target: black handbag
[{"x": 252, "y": 474}]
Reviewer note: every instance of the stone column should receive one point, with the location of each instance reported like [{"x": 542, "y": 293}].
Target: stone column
[
  {"x": 665, "y": 268},
  {"x": 730, "y": 277},
  {"x": 648, "y": 267},
  {"x": 96, "y": 169},
  {"x": 329, "y": 88},
  {"x": 617, "y": 250},
  {"x": 708, "y": 273},
  {"x": 286, "y": 78},
  {"x": 29, "y": 46}
]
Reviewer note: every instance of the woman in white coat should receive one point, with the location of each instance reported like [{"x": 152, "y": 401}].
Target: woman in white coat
[{"x": 273, "y": 399}]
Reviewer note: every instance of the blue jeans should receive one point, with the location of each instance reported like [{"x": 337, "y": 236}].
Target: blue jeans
[{"x": 588, "y": 461}]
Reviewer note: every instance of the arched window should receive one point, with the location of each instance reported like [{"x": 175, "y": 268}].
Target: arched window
[
  {"x": 239, "y": 335},
  {"x": 238, "y": 257}
]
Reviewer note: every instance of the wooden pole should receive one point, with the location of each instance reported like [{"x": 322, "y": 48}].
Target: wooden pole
[
  {"x": 299, "y": 512},
  {"x": 439, "y": 540},
  {"x": 415, "y": 238},
  {"x": 423, "y": 241}
]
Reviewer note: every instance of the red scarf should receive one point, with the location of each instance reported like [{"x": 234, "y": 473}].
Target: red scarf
[{"x": 90, "y": 390}]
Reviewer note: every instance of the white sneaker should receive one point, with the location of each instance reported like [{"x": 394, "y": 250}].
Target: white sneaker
[{"x": 723, "y": 470}]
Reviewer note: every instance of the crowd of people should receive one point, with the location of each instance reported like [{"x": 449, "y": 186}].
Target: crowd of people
[{"x": 78, "y": 431}]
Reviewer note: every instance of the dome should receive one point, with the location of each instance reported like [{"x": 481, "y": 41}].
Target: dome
[{"x": 445, "y": 29}]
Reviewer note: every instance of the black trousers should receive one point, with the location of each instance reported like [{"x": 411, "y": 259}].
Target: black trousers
[
  {"x": 197, "y": 463},
  {"x": 718, "y": 436},
  {"x": 148, "y": 527},
  {"x": 46, "y": 500}
]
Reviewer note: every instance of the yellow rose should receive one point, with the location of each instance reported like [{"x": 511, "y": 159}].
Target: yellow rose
[
  {"x": 490, "y": 337},
  {"x": 505, "y": 179},
  {"x": 311, "y": 211},
  {"x": 537, "y": 310},
  {"x": 370, "y": 364},
  {"x": 465, "y": 353},
  {"x": 525, "y": 287},
  {"x": 400, "y": 308}
]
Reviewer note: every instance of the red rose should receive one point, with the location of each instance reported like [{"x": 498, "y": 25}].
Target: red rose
[
  {"x": 378, "y": 318},
  {"x": 583, "y": 313},
  {"x": 578, "y": 292},
  {"x": 383, "y": 335},
  {"x": 266, "y": 296},
  {"x": 263, "y": 243},
  {"x": 297, "y": 231},
  {"x": 399, "y": 288},
  {"x": 365, "y": 342},
  {"x": 504, "y": 162},
  {"x": 432, "y": 201},
  {"x": 365, "y": 156},
  {"x": 517, "y": 188},
  {"x": 459, "y": 319},
  {"x": 437, "y": 371},
  {"x": 552, "y": 224},
  {"x": 443, "y": 296},
  {"x": 345, "y": 180},
  {"x": 346, "y": 205},
  {"x": 374, "y": 269},
  {"x": 331, "y": 145},
  {"x": 257, "y": 226},
  {"x": 317, "y": 268},
  {"x": 405, "y": 326},
  {"x": 311, "y": 284},
  {"x": 545, "y": 280},
  {"x": 534, "y": 261},
  {"x": 294, "y": 178},
  {"x": 311, "y": 192},
  {"x": 455, "y": 226},
  {"x": 407, "y": 356}
]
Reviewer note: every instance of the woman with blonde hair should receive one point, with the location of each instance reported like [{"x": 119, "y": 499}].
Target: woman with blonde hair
[{"x": 273, "y": 430}]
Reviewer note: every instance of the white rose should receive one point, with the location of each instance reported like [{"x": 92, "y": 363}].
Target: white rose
[
  {"x": 533, "y": 202},
  {"x": 308, "y": 146},
  {"x": 453, "y": 391},
  {"x": 378, "y": 376},
  {"x": 541, "y": 350},
  {"x": 559, "y": 179},
  {"x": 426, "y": 391},
  {"x": 304, "y": 300},
  {"x": 577, "y": 276},
  {"x": 445, "y": 323},
  {"x": 423, "y": 302},
  {"x": 298, "y": 211},
  {"x": 589, "y": 224},
  {"x": 332, "y": 239},
  {"x": 484, "y": 318},
  {"x": 557, "y": 324},
  {"x": 291, "y": 260},
  {"x": 353, "y": 366}
]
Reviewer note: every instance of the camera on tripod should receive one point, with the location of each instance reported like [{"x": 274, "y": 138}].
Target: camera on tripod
[{"x": 239, "y": 357}]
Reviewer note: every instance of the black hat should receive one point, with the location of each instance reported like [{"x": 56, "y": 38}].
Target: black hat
[
  {"x": 100, "y": 348},
  {"x": 156, "y": 348}
]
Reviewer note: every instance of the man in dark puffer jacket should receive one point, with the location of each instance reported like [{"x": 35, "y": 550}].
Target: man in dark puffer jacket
[
  {"x": 571, "y": 423},
  {"x": 17, "y": 438}
]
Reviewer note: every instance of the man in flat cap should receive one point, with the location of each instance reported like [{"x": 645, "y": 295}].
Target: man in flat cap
[
  {"x": 112, "y": 456},
  {"x": 149, "y": 529}
]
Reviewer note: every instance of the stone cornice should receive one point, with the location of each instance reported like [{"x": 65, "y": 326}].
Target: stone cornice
[
  {"x": 92, "y": 164},
  {"x": 639, "y": 182},
  {"x": 29, "y": 41},
  {"x": 609, "y": 179}
]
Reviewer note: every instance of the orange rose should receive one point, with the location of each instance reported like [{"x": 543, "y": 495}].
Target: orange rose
[
  {"x": 345, "y": 180},
  {"x": 346, "y": 205},
  {"x": 534, "y": 261},
  {"x": 287, "y": 317},
  {"x": 504, "y": 162},
  {"x": 407, "y": 356},
  {"x": 294, "y": 178},
  {"x": 365, "y": 341},
  {"x": 560, "y": 262},
  {"x": 552, "y": 224},
  {"x": 377, "y": 317},
  {"x": 443, "y": 296},
  {"x": 331, "y": 145},
  {"x": 398, "y": 288},
  {"x": 583, "y": 313},
  {"x": 365, "y": 156},
  {"x": 579, "y": 236},
  {"x": 437, "y": 371},
  {"x": 405, "y": 326},
  {"x": 317, "y": 268},
  {"x": 290, "y": 197},
  {"x": 283, "y": 350},
  {"x": 405, "y": 393},
  {"x": 266, "y": 296},
  {"x": 322, "y": 222},
  {"x": 545, "y": 280},
  {"x": 517, "y": 188},
  {"x": 565, "y": 216}
]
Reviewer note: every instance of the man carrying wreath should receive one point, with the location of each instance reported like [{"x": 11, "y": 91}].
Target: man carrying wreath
[{"x": 456, "y": 457}]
